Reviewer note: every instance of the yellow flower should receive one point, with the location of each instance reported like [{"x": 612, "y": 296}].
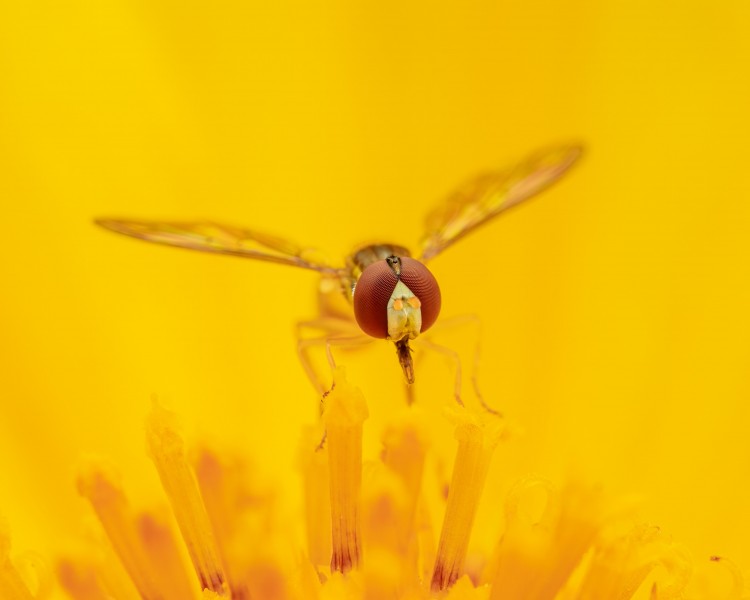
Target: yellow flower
[
  {"x": 614, "y": 312},
  {"x": 372, "y": 527}
]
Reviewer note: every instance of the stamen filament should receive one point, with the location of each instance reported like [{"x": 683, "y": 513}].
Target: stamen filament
[
  {"x": 537, "y": 556},
  {"x": 100, "y": 484},
  {"x": 344, "y": 414},
  {"x": 80, "y": 580},
  {"x": 222, "y": 487},
  {"x": 162, "y": 548},
  {"x": 404, "y": 451},
  {"x": 620, "y": 567},
  {"x": 167, "y": 451},
  {"x": 113, "y": 576},
  {"x": 12, "y": 586},
  {"x": 315, "y": 479},
  {"x": 477, "y": 440}
]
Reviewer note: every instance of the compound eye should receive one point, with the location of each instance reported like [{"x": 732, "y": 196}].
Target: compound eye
[
  {"x": 423, "y": 284},
  {"x": 371, "y": 296},
  {"x": 375, "y": 288}
]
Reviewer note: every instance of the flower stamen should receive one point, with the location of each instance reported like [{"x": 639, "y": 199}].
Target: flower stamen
[
  {"x": 162, "y": 547},
  {"x": 315, "y": 480},
  {"x": 619, "y": 567},
  {"x": 537, "y": 556},
  {"x": 12, "y": 586},
  {"x": 99, "y": 483},
  {"x": 166, "y": 449},
  {"x": 80, "y": 580},
  {"x": 344, "y": 414},
  {"x": 477, "y": 439}
]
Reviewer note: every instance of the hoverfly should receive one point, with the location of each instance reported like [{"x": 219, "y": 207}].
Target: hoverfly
[{"x": 394, "y": 296}]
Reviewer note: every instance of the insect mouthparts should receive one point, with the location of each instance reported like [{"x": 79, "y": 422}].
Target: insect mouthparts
[{"x": 404, "y": 358}]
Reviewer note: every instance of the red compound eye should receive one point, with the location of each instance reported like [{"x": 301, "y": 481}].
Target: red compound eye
[
  {"x": 375, "y": 287},
  {"x": 419, "y": 280},
  {"x": 371, "y": 296}
]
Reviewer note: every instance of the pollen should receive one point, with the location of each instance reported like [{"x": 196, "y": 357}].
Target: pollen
[
  {"x": 414, "y": 302},
  {"x": 398, "y": 304}
]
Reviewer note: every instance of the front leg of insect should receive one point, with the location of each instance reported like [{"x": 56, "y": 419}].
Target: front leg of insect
[{"x": 396, "y": 299}]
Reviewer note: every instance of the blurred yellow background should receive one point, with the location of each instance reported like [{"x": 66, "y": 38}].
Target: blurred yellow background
[{"x": 615, "y": 308}]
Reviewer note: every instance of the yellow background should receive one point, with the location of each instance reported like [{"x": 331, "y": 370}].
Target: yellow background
[{"x": 615, "y": 309}]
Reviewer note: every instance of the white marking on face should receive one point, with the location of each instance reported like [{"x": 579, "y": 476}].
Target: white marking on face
[{"x": 405, "y": 322}]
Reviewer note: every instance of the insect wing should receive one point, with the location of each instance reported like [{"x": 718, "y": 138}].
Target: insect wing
[
  {"x": 221, "y": 239},
  {"x": 489, "y": 194}
]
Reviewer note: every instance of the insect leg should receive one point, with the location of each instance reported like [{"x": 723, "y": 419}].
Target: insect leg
[
  {"x": 337, "y": 328},
  {"x": 329, "y": 327},
  {"x": 327, "y": 324},
  {"x": 329, "y": 342},
  {"x": 453, "y": 355},
  {"x": 335, "y": 336},
  {"x": 475, "y": 322}
]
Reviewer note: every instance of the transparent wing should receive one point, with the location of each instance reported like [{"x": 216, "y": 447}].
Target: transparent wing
[
  {"x": 491, "y": 193},
  {"x": 221, "y": 239}
]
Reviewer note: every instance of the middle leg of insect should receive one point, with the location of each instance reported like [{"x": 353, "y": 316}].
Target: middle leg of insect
[{"x": 473, "y": 324}]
